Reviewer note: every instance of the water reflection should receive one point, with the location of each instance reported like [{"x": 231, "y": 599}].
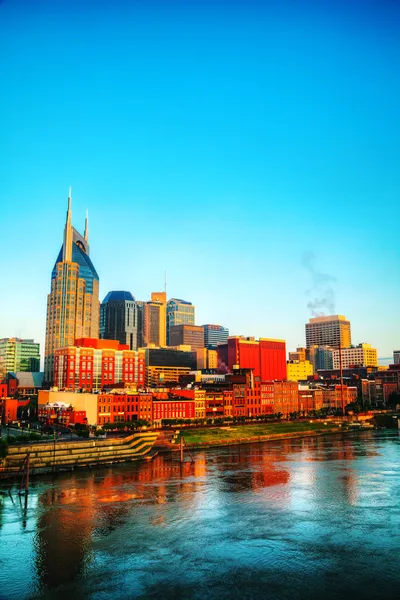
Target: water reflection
[{"x": 233, "y": 522}]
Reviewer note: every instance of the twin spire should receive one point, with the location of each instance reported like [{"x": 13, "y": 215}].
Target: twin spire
[{"x": 68, "y": 230}]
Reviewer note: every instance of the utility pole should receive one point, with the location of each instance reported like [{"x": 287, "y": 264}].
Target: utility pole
[{"x": 341, "y": 379}]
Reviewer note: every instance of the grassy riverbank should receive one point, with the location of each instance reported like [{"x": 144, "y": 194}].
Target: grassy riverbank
[{"x": 241, "y": 432}]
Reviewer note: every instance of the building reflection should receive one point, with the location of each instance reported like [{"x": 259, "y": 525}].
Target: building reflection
[{"x": 79, "y": 509}]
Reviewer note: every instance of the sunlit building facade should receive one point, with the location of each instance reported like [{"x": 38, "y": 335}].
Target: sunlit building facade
[
  {"x": 73, "y": 302},
  {"x": 333, "y": 331},
  {"x": 18, "y": 355},
  {"x": 187, "y": 335},
  {"x": 214, "y": 335},
  {"x": 93, "y": 364},
  {"x": 299, "y": 370},
  {"x": 179, "y": 312},
  {"x": 362, "y": 355},
  {"x": 154, "y": 320}
]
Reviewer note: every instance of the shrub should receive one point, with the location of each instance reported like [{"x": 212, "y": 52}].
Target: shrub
[{"x": 3, "y": 448}]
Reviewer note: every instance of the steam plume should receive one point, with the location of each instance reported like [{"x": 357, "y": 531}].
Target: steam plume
[{"x": 323, "y": 294}]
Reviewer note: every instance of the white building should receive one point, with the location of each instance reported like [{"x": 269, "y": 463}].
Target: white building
[{"x": 362, "y": 355}]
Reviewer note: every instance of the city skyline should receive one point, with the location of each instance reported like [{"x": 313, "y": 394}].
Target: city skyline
[{"x": 226, "y": 165}]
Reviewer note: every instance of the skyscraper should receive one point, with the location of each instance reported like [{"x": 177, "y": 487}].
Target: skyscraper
[
  {"x": 18, "y": 355},
  {"x": 187, "y": 335},
  {"x": 154, "y": 320},
  {"x": 118, "y": 318},
  {"x": 333, "y": 331},
  {"x": 179, "y": 312},
  {"x": 215, "y": 334},
  {"x": 73, "y": 302}
]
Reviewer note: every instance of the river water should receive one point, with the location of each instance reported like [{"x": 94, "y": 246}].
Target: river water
[{"x": 307, "y": 518}]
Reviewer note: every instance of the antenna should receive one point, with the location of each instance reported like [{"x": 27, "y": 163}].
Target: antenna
[{"x": 165, "y": 283}]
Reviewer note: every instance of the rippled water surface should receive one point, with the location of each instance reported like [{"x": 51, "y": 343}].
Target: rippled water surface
[{"x": 312, "y": 518}]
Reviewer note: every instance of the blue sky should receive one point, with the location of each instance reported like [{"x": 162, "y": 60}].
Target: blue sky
[{"x": 222, "y": 141}]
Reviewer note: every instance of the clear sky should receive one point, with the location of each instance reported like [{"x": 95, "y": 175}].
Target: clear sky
[{"x": 249, "y": 148}]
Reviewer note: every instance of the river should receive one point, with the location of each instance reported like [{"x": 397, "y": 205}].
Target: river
[{"x": 292, "y": 519}]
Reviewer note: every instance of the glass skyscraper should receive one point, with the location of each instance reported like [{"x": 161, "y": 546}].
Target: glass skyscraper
[
  {"x": 73, "y": 302},
  {"x": 119, "y": 318},
  {"x": 18, "y": 355},
  {"x": 215, "y": 334},
  {"x": 179, "y": 312}
]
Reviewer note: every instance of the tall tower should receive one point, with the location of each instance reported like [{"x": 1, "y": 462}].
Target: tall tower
[
  {"x": 333, "y": 331},
  {"x": 179, "y": 312},
  {"x": 118, "y": 318},
  {"x": 73, "y": 302},
  {"x": 154, "y": 320}
]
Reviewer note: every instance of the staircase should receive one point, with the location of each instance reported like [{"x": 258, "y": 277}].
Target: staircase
[{"x": 55, "y": 456}]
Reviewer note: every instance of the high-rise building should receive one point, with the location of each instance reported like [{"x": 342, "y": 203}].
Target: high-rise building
[
  {"x": 154, "y": 320},
  {"x": 362, "y": 355},
  {"x": 396, "y": 357},
  {"x": 140, "y": 304},
  {"x": 18, "y": 355},
  {"x": 331, "y": 331},
  {"x": 320, "y": 357},
  {"x": 119, "y": 318},
  {"x": 215, "y": 334},
  {"x": 73, "y": 302},
  {"x": 187, "y": 335},
  {"x": 179, "y": 312}
]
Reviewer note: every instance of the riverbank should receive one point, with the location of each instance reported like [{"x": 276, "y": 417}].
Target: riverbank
[
  {"x": 247, "y": 434},
  {"x": 70, "y": 455}
]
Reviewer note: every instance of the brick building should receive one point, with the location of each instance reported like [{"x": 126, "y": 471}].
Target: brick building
[
  {"x": 118, "y": 408},
  {"x": 92, "y": 364}
]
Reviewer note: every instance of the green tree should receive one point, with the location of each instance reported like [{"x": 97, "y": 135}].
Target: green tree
[
  {"x": 3, "y": 448},
  {"x": 394, "y": 399}
]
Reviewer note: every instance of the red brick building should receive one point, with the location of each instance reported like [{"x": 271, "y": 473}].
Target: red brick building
[
  {"x": 92, "y": 364},
  {"x": 52, "y": 415},
  {"x": 280, "y": 397},
  {"x": 178, "y": 408},
  {"x": 117, "y": 408}
]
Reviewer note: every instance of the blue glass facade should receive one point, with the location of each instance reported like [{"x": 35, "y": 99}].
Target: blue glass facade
[{"x": 86, "y": 268}]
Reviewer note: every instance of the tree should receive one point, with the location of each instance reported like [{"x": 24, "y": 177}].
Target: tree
[
  {"x": 3, "y": 448},
  {"x": 394, "y": 399}
]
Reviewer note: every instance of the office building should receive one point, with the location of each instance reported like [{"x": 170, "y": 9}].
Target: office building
[
  {"x": 154, "y": 320},
  {"x": 179, "y": 312},
  {"x": 73, "y": 302},
  {"x": 206, "y": 359},
  {"x": 166, "y": 365},
  {"x": 320, "y": 357},
  {"x": 333, "y": 331},
  {"x": 187, "y": 335},
  {"x": 18, "y": 355},
  {"x": 299, "y": 370},
  {"x": 266, "y": 357},
  {"x": 119, "y": 318},
  {"x": 140, "y": 304},
  {"x": 93, "y": 364},
  {"x": 362, "y": 355},
  {"x": 215, "y": 334},
  {"x": 299, "y": 355},
  {"x": 396, "y": 357}
]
